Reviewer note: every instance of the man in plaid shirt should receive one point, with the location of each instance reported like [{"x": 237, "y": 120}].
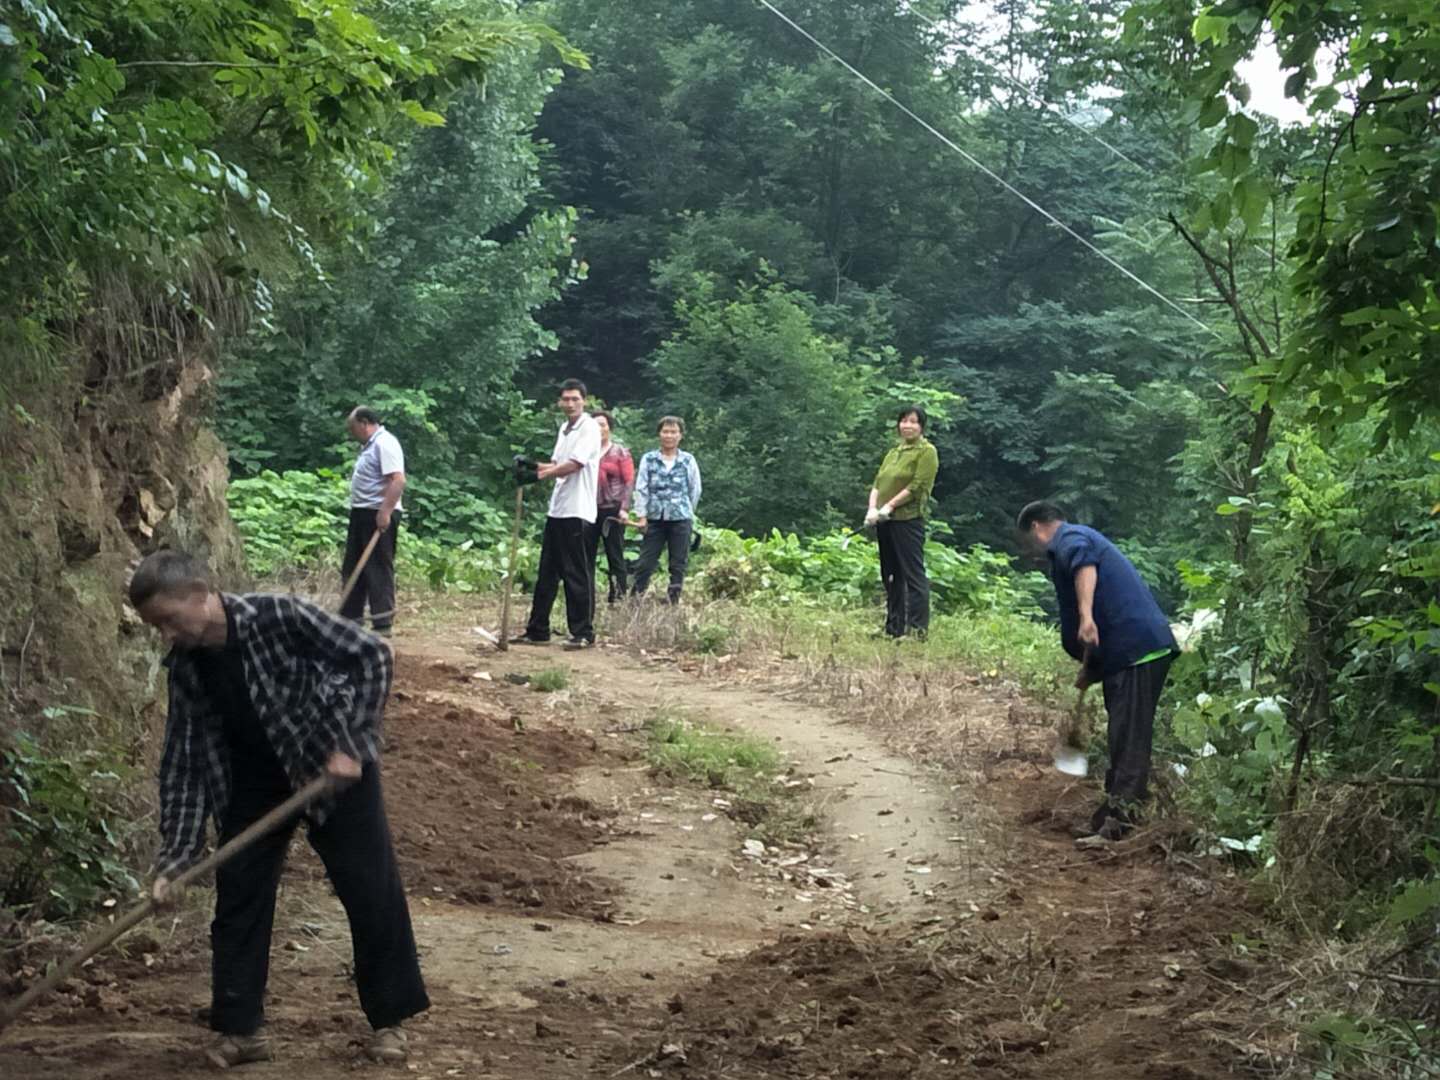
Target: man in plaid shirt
[{"x": 266, "y": 692}]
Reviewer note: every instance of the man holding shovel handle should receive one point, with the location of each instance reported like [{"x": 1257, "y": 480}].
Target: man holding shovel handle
[
  {"x": 1109, "y": 620},
  {"x": 267, "y": 694}
]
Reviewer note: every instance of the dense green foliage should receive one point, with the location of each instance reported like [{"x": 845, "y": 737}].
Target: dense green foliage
[
  {"x": 66, "y": 833},
  {"x": 181, "y": 156},
  {"x": 296, "y": 521}
]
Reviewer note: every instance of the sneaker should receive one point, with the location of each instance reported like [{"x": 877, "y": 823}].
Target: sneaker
[
  {"x": 1114, "y": 829},
  {"x": 579, "y": 643},
  {"x": 388, "y": 1046},
  {"x": 526, "y": 639},
  {"x": 231, "y": 1050}
]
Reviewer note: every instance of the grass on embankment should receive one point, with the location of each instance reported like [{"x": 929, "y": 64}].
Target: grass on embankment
[{"x": 746, "y": 767}]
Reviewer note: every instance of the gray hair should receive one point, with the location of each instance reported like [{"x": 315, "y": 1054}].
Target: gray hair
[{"x": 167, "y": 572}]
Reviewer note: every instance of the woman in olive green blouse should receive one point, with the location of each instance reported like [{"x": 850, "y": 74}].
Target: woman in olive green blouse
[{"x": 899, "y": 504}]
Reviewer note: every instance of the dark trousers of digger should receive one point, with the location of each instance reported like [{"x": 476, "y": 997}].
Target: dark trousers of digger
[
  {"x": 565, "y": 555},
  {"x": 354, "y": 843},
  {"x": 660, "y": 536},
  {"x": 613, "y": 540},
  {"x": 1131, "y": 697},
  {"x": 377, "y": 580},
  {"x": 902, "y": 570}
]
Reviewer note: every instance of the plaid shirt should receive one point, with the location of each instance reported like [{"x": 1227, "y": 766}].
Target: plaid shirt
[{"x": 318, "y": 684}]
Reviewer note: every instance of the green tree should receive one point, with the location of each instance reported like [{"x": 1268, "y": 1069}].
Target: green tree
[
  {"x": 1364, "y": 258},
  {"x": 801, "y": 465},
  {"x": 431, "y": 321}
]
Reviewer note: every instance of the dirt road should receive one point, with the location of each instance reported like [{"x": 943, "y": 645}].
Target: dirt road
[{"x": 578, "y": 916}]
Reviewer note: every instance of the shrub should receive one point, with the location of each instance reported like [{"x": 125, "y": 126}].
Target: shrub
[{"x": 65, "y": 855}]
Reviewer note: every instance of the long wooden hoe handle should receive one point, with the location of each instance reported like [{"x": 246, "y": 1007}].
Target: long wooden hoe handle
[
  {"x": 315, "y": 789},
  {"x": 504, "y": 642},
  {"x": 359, "y": 569}
]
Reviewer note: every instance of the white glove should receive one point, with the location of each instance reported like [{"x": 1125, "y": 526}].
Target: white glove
[
  {"x": 883, "y": 514},
  {"x": 872, "y": 517}
]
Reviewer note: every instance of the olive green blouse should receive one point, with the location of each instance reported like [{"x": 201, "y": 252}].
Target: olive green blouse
[{"x": 913, "y": 466}]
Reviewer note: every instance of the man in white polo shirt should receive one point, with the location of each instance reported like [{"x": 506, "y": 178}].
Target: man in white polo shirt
[
  {"x": 564, "y": 553},
  {"x": 375, "y": 488}
]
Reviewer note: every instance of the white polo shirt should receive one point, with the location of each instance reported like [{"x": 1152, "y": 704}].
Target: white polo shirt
[
  {"x": 574, "y": 495},
  {"x": 379, "y": 457}
]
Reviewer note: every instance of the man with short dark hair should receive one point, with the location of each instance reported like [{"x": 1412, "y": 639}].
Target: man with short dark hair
[
  {"x": 376, "y": 485},
  {"x": 1110, "y": 622},
  {"x": 565, "y": 549},
  {"x": 267, "y": 692}
]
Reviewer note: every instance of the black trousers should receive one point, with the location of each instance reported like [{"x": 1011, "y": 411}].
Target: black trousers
[
  {"x": 354, "y": 843},
  {"x": 1131, "y": 697},
  {"x": 377, "y": 580},
  {"x": 566, "y": 555},
  {"x": 902, "y": 570},
  {"x": 614, "y": 542},
  {"x": 660, "y": 535}
]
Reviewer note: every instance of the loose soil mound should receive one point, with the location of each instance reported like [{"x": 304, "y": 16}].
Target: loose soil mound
[
  {"x": 1116, "y": 965},
  {"x": 473, "y": 801}
]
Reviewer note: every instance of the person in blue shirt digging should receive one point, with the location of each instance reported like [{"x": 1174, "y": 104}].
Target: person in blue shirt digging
[{"x": 1110, "y": 622}]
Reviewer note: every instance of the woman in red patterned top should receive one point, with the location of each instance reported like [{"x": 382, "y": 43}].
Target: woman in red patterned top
[{"x": 617, "y": 480}]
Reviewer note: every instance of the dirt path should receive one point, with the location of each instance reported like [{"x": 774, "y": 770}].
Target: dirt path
[{"x": 579, "y": 917}]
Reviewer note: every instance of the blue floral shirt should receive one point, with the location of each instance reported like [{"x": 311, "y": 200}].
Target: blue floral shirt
[{"x": 663, "y": 494}]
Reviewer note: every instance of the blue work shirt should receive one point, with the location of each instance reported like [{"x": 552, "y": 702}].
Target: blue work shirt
[{"x": 1130, "y": 622}]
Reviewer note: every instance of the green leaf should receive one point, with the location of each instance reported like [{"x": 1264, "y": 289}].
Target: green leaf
[
  {"x": 1220, "y": 210},
  {"x": 1418, "y": 900},
  {"x": 1210, "y": 28},
  {"x": 1212, "y": 112},
  {"x": 1243, "y": 131},
  {"x": 7, "y": 36},
  {"x": 421, "y": 115},
  {"x": 1252, "y": 198}
]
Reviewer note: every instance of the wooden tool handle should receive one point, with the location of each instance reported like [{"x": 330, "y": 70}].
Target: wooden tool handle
[
  {"x": 359, "y": 569},
  {"x": 504, "y": 642},
  {"x": 320, "y": 786}
]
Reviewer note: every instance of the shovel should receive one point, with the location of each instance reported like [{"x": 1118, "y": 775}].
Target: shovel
[
  {"x": 315, "y": 789},
  {"x": 1070, "y": 757}
]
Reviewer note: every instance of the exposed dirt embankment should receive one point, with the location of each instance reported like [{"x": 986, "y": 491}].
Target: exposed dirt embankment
[
  {"x": 98, "y": 471},
  {"x": 96, "y": 476}
]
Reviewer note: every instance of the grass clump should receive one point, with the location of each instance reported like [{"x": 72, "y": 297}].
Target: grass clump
[
  {"x": 743, "y": 764},
  {"x": 713, "y": 639},
  {"x": 748, "y": 768},
  {"x": 549, "y": 680}
]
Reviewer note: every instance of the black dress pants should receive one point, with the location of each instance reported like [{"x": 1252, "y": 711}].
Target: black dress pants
[
  {"x": 565, "y": 555},
  {"x": 660, "y": 536},
  {"x": 1131, "y": 697},
  {"x": 614, "y": 544},
  {"x": 354, "y": 843},
  {"x": 377, "y": 580},
  {"x": 902, "y": 571}
]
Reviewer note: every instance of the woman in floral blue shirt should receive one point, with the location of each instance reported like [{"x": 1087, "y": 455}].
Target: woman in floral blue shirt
[{"x": 667, "y": 487}]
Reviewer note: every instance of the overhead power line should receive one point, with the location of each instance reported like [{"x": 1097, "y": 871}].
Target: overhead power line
[{"x": 978, "y": 164}]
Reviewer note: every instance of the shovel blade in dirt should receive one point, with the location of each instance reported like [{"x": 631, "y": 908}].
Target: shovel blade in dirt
[{"x": 1071, "y": 762}]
